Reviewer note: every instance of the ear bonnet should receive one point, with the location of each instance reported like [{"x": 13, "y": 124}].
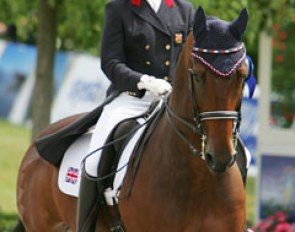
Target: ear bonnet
[{"x": 217, "y": 43}]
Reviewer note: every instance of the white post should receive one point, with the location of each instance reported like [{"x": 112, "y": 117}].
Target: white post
[{"x": 264, "y": 75}]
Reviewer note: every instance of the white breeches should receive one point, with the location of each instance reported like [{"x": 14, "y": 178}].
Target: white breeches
[{"x": 122, "y": 107}]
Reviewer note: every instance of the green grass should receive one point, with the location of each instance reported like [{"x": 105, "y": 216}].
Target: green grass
[
  {"x": 251, "y": 200},
  {"x": 14, "y": 140},
  {"x": 7, "y": 221}
]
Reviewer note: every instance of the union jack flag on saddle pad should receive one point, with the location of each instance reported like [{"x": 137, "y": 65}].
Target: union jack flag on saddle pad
[{"x": 72, "y": 175}]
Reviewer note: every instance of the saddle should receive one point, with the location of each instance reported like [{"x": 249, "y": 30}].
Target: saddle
[
  {"x": 120, "y": 137},
  {"x": 115, "y": 153},
  {"x": 52, "y": 147}
]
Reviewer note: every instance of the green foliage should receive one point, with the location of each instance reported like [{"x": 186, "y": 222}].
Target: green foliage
[
  {"x": 283, "y": 79},
  {"x": 23, "y": 15},
  {"x": 7, "y": 221},
  {"x": 80, "y": 23}
]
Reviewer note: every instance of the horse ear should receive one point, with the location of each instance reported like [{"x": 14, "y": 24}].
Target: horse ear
[
  {"x": 239, "y": 25},
  {"x": 199, "y": 22}
]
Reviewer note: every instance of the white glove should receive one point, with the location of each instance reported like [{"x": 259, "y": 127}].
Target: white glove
[{"x": 156, "y": 86}]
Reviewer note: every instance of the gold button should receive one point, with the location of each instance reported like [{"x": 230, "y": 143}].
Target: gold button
[
  {"x": 166, "y": 78},
  {"x": 167, "y": 62},
  {"x": 168, "y": 47},
  {"x": 147, "y": 47},
  {"x": 148, "y": 63}
]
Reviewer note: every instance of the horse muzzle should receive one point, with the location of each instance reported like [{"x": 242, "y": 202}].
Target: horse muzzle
[{"x": 217, "y": 165}]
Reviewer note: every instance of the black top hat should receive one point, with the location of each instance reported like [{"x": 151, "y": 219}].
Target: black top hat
[{"x": 218, "y": 44}]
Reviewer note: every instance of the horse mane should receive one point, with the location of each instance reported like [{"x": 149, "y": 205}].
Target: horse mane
[
  {"x": 184, "y": 58},
  {"x": 180, "y": 75}
]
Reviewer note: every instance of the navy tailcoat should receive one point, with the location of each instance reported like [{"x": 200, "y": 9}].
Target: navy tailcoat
[{"x": 138, "y": 41}]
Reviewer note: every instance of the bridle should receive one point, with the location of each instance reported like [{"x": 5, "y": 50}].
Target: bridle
[{"x": 199, "y": 117}]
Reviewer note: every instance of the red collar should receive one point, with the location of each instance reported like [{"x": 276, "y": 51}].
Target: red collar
[{"x": 169, "y": 3}]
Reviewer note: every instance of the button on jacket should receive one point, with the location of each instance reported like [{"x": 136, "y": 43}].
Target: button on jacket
[{"x": 138, "y": 41}]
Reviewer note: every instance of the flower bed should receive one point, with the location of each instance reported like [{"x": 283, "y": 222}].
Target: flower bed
[{"x": 277, "y": 222}]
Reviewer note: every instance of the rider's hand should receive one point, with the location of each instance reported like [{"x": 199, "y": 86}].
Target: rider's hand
[{"x": 156, "y": 86}]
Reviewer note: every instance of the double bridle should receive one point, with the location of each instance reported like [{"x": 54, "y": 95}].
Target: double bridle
[{"x": 199, "y": 117}]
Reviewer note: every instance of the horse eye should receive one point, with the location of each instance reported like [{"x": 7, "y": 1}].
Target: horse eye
[{"x": 198, "y": 76}]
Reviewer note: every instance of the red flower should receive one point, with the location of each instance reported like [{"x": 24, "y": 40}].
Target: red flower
[
  {"x": 283, "y": 227},
  {"x": 279, "y": 58},
  {"x": 275, "y": 43},
  {"x": 283, "y": 46},
  {"x": 276, "y": 26},
  {"x": 283, "y": 35},
  {"x": 281, "y": 216}
]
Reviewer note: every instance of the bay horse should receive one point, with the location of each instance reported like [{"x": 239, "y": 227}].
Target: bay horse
[{"x": 188, "y": 179}]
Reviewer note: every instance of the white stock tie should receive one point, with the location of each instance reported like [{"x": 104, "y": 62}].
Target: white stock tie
[{"x": 155, "y": 4}]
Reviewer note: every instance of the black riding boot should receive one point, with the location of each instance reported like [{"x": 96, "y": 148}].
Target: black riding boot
[{"x": 88, "y": 204}]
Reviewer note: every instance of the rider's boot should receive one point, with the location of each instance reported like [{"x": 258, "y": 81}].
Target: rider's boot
[{"x": 88, "y": 204}]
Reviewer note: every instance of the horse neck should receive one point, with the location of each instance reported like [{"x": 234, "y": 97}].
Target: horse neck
[
  {"x": 180, "y": 103},
  {"x": 181, "y": 99}
]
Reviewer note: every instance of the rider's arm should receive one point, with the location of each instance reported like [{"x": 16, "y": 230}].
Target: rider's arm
[{"x": 113, "y": 56}]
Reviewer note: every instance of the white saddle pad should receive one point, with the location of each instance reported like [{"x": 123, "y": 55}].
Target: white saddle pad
[{"x": 70, "y": 169}]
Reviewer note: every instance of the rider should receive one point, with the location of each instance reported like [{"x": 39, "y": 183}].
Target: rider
[{"x": 140, "y": 45}]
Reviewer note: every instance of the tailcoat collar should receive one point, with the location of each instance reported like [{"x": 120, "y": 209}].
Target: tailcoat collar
[{"x": 158, "y": 20}]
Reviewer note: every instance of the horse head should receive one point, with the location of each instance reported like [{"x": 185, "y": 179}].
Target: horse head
[{"x": 215, "y": 59}]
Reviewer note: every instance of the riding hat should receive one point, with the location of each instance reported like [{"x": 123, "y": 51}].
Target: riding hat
[{"x": 218, "y": 43}]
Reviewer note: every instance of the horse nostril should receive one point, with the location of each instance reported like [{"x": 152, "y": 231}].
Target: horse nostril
[
  {"x": 232, "y": 161},
  {"x": 209, "y": 159},
  {"x": 219, "y": 166}
]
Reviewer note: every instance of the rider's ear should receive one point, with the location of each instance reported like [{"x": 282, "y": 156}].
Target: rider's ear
[
  {"x": 238, "y": 26},
  {"x": 199, "y": 22}
]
